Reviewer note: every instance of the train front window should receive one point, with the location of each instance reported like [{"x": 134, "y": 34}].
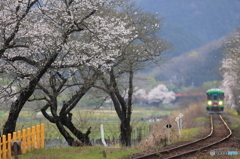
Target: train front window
[
  {"x": 215, "y": 97},
  {"x": 221, "y": 96}
]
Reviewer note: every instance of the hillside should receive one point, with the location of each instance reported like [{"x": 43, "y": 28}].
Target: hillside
[
  {"x": 189, "y": 24},
  {"x": 196, "y": 28},
  {"x": 196, "y": 66}
]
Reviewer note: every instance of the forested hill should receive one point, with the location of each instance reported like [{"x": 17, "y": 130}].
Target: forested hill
[{"x": 190, "y": 24}]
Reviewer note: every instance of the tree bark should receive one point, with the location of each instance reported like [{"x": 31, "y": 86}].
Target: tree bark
[
  {"x": 123, "y": 109},
  {"x": 65, "y": 134},
  {"x": 125, "y": 126},
  {"x": 84, "y": 138},
  {"x": 65, "y": 117},
  {"x": 66, "y": 121},
  {"x": 16, "y": 107}
]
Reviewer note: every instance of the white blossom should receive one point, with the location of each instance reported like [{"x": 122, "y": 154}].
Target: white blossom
[
  {"x": 160, "y": 94},
  {"x": 231, "y": 69},
  {"x": 85, "y": 36}
]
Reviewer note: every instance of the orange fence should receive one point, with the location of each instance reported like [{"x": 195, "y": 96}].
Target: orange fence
[{"x": 31, "y": 138}]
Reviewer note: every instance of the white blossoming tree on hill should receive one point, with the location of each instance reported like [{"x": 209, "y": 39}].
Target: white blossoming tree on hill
[{"x": 160, "y": 94}]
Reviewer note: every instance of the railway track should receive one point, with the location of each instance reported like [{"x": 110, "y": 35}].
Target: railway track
[{"x": 218, "y": 133}]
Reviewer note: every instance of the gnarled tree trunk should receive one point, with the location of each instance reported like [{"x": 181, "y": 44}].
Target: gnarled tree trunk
[
  {"x": 17, "y": 106},
  {"x": 123, "y": 108}
]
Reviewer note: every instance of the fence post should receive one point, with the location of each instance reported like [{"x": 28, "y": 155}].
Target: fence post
[
  {"x": 1, "y": 147},
  {"x": 14, "y": 137},
  {"x": 33, "y": 136},
  {"x": 38, "y": 136},
  {"x": 42, "y": 136},
  {"x": 9, "y": 139},
  {"x": 4, "y": 147},
  {"x": 102, "y": 135},
  {"x": 29, "y": 143},
  {"x": 24, "y": 141},
  {"x": 19, "y": 137}
]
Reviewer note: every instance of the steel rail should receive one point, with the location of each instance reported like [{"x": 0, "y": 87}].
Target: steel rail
[
  {"x": 152, "y": 154},
  {"x": 210, "y": 134},
  {"x": 230, "y": 133}
]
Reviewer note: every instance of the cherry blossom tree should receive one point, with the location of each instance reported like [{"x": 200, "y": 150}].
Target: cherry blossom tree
[
  {"x": 145, "y": 50},
  {"x": 231, "y": 69},
  {"x": 14, "y": 45},
  {"x": 50, "y": 89},
  {"x": 45, "y": 36},
  {"x": 160, "y": 94},
  {"x": 103, "y": 43}
]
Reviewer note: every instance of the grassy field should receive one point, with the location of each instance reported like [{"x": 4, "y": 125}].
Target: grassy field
[
  {"x": 195, "y": 121},
  {"x": 83, "y": 119},
  {"x": 95, "y": 152},
  {"x": 108, "y": 117}
]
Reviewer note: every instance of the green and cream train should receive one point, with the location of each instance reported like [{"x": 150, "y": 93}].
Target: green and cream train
[{"x": 215, "y": 101}]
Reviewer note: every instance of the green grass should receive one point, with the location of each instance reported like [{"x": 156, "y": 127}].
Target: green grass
[
  {"x": 111, "y": 126},
  {"x": 233, "y": 119},
  {"x": 234, "y": 112},
  {"x": 202, "y": 119},
  {"x": 188, "y": 133},
  {"x": 93, "y": 152},
  {"x": 83, "y": 119}
]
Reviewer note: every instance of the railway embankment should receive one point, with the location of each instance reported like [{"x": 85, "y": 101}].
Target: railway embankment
[
  {"x": 193, "y": 124},
  {"x": 196, "y": 131}
]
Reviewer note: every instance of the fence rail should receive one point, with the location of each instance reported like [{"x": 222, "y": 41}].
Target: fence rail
[{"x": 31, "y": 138}]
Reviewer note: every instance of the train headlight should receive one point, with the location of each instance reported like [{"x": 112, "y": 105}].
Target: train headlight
[
  {"x": 220, "y": 103},
  {"x": 209, "y": 102}
]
